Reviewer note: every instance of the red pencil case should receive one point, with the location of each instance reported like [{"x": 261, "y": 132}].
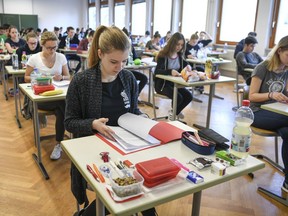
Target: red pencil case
[
  {"x": 157, "y": 171},
  {"x": 37, "y": 89}
]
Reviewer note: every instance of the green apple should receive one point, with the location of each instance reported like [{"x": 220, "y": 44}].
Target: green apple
[{"x": 137, "y": 61}]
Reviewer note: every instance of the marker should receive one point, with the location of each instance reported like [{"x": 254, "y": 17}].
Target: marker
[
  {"x": 99, "y": 173},
  {"x": 92, "y": 172},
  {"x": 198, "y": 138}
]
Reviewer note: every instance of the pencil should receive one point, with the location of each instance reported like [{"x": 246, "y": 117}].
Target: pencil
[
  {"x": 98, "y": 173},
  {"x": 198, "y": 138}
]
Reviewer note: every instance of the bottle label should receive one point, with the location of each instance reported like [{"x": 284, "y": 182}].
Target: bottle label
[{"x": 241, "y": 143}]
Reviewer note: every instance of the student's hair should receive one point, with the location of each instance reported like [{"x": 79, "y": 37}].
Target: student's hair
[
  {"x": 147, "y": 33},
  {"x": 31, "y": 35},
  {"x": 48, "y": 36},
  {"x": 9, "y": 30},
  {"x": 171, "y": 45},
  {"x": 250, "y": 40},
  {"x": 69, "y": 28},
  {"x": 91, "y": 33},
  {"x": 252, "y": 34},
  {"x": 194, "y": 36},
  {"x": 56, "y": 28},
  {"x": 273, "y": 58},
  {"x": 157, "y": 35},
  {"x": 107, "y": 39}
]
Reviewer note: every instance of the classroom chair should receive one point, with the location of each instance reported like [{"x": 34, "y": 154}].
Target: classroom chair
[{"x": 155, "y": 94}]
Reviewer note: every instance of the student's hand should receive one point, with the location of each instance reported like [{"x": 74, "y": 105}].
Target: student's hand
[
  {"x": 57, "y": 77},
  {"x": 279, "y": 96},
  {"x": 175, "y": 73},
  {"x": 101, "y": 127}
]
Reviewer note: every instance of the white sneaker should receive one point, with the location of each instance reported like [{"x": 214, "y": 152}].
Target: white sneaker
[{"x": 56, "y": 153}]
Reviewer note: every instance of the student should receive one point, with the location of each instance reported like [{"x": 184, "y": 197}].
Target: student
[
  {"x": 73, "y": 40},
  {"x": 54, "y": 64},
  {"x": 163, "y": 41},
  {"x": 170, "y": 61},
  {"x": 153, "y": 45},
  {"x": 204, "y": 39},
  {"x": 269, "y": 84},
  {"x": 85, "y": 43},
  {"x": 144, "y": 39},
  {"x": 31, "y": 47},
  {"x": 247, "y": 58},
  {"x": 13, "y": 42},
  {"x": 239, "y": 47},
  {"x": 98, "y": 96}
]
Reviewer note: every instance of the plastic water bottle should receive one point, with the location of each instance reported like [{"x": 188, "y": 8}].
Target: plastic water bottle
[
  {"x": 15, "y": 64},
  {"x": 67, "y": 40},
  {"x": 33, "y": 76},
  {"x": 241, "y": 137},
  {"x": 2, "y": 45},
  {"x": 225, "y": 48},
  {"x": 24, "y": 59}
]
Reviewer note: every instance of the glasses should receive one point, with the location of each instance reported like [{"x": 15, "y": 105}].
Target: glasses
[
  {"x": 32, "y": 43},
  {"x": 51, "y": 48}
]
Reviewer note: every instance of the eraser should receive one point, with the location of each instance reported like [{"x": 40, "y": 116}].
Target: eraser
[
  {"x": 128, "y": 163},
  {"x": 218, "y": 168},
  {"x": 194, "y": 177}
]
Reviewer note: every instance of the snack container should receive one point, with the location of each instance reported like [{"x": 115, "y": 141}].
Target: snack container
[
  {"x": 43, "y": 81},
  {"x": 127, "y": 190},
  {"x": 157, "y": 171}
]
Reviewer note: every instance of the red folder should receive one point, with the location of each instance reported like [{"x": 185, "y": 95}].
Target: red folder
[{"x": 166, "y": 132}]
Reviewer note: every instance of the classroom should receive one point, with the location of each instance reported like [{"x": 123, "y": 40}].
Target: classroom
[{"x": 38, "y": 174}]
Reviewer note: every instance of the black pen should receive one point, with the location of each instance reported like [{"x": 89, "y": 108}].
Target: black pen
[{"x": 92, "y": 172}]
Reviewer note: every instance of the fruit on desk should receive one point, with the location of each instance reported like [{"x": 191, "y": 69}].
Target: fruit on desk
[
  {"x": 137, "y": 61},
  {"x": 52, "y": 92},
  {"x": 215, "y": 75}
]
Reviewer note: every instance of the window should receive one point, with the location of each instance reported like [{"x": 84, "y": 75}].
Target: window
[
  {"x": 104, "y": 19},
  {"x": 194, "y": 17},
  {"x": 138, "y": 18},
  {"x": 92, "y": 17},
  {"x": 162, "y": 21},
  {"x": 280, "y": 22},
  {"x": 119, "y": 15},
  {"x": 233, "y": 24}
]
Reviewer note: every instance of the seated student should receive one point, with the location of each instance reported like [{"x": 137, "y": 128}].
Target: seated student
[
  {"x": 52, "y": 63},
  {"x": 239, "y": 47},
  {"x": 13, "y": 42},
  {"x": 31, "y": 47},
  {"x": 170, "y": 61},
  {"x": 269, "y": 84},
  {"x": 163, "y": 41},
  {"x": 204, "y": 39},
  {"x": 153, "y": 45},
  {"x": 142, "y": 78},
  {"x": 85, "y": 43},
  {"x": 247, "y": 58},
  {"x": 73, "y": 40},
  {"x": 97, "y": 97},
  {"x": 144, "y": 39}
]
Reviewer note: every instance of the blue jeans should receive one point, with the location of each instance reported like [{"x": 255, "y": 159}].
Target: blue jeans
[{"x": 273, "y": 121}]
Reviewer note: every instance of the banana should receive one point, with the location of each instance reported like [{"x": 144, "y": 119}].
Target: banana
[{"x": 52, "y": 92}]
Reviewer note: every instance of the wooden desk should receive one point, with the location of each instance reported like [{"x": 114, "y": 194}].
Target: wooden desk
[
  {"x": 26, "y": 89},
  {"x": 15, "y": 75},
  {"x": 277, "y": 107},
  {"x": 83, "y": 151},
  {"x": 3, "y": 59},
  {"x": 68, "y": 51},
  {"x": 180, "y": 83}
]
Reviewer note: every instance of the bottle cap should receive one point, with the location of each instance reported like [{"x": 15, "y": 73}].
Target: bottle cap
[{"x": 246, "y": 103}]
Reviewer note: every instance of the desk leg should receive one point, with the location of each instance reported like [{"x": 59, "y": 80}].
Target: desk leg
[
  {"x": 4, "y": 80},
  {"x": 38, "y": 157},
  {"x": 211, "y": 94},
  {"x": 175, "y": 91},
  {"x": 17, "y": 99},
  {"x": 100, "y": 208},
  {"x": 148, "y": 103},
  {"x": 196, "y": 203}
]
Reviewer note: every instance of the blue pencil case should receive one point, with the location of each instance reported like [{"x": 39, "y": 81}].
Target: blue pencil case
[{"x": 206, "y": 148}]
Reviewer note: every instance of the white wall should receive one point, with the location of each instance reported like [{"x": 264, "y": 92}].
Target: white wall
[{"x": 50, "y": 12}]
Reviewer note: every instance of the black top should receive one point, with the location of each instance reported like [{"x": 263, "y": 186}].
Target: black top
[
  {"x": 15, "y": 45},
  {"x": 115, "y": 101},
  {"x": 62, "y": 43},
  {"x": 26, "y": 48}
]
